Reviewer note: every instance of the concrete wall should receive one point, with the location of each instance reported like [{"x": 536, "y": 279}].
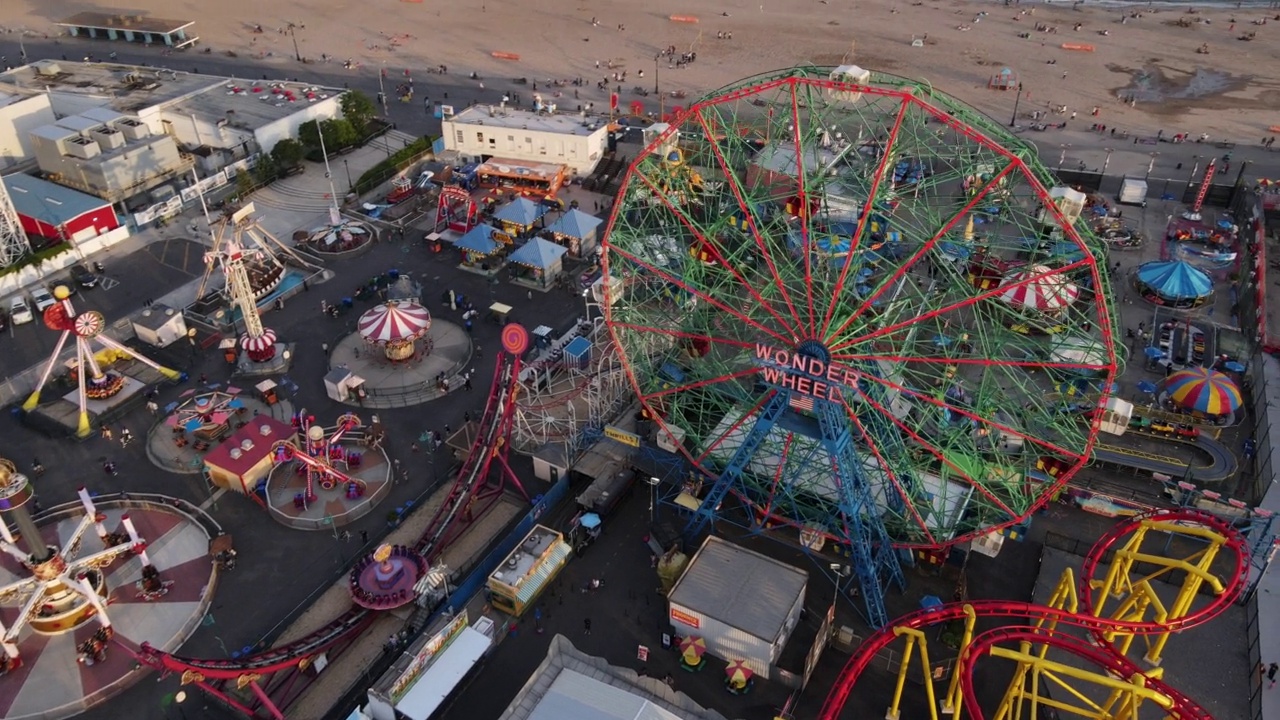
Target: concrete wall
[
  {"x": 137, "y": 167},
  {"x": 17, "y": 120},
  {"x": 271, "y": 133},
  {"x": 65, "y": 104},
  {"x": 13, "y": 282},
  {"x": 578, "y": 152}
]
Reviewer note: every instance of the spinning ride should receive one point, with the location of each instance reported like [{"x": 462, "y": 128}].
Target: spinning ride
[
  {"x": 386, "y": 579},
  {"x": 804, "y": 315},
  {"x": 395, "y": 326},
  {"x": 322, "y": 452},
  {"x": 93, "y": 382},
  {"x": 66, "y": 588}
]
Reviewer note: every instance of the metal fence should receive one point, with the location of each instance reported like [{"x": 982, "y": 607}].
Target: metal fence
[{"x": 1184, "y": 190}]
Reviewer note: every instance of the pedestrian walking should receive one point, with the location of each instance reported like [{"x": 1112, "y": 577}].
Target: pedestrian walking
[
  {"x": 126, "y": 437},
  {"x": 586, "y": 629},
  {"x": 1272, "y": 669},
  {"x": 106, "y": 433},
  {"x": 413, "y": 447},
  {"x": 364, "y": 537},
  {"x": 204, "y": 379},
  {"x": 324, "y": 347},
  {"x": 466, "y": 416},
  {"x": 466, "y": 384},
  {"x": 152, "y": 407}
]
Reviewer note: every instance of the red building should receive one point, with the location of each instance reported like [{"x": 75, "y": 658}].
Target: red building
[{"x": 53, "y": 211}]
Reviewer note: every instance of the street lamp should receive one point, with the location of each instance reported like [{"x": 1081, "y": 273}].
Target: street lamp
[
  {"x": 656, "y": 58},
  {"x": 347, "y": 167},
  {"x": 1062, "y": 158},
  {"x": 179, "y": 698},
  {"x": 1151, "y": 165},
  {"x": 1107, "y": 162},
  {"x": 1013, "y": 121},
  {"x": 296, "y": 52}
]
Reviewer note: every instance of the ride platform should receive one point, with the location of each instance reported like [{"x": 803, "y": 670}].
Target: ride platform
[{"x": 51, "y": 683}]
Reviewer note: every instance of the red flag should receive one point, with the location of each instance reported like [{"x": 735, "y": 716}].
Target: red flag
[{"x": 613, "y": 101}]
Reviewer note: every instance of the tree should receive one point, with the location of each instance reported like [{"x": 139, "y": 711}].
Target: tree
[
  {"x": 339, "y": 133},
  {"x": 309, "y": 134},
  {"x": 288, "y": 153},
  {"x": 244, "y": 183},
  {"x": 358, "y": 109},
  {"x": 266, "y": 169}
]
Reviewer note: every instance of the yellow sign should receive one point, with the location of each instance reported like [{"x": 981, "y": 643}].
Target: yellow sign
[
  {"x": 426, "y": 655},
  {"x": 622, "y": 436}
]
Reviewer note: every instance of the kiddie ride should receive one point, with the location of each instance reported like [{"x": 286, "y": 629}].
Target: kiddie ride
[
  {"x": 321, "y": 452},
  {"x": 1111, "y": 605}
]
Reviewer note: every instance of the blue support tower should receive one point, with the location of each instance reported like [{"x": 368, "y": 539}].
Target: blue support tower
[{"x": 875, "y": 562}]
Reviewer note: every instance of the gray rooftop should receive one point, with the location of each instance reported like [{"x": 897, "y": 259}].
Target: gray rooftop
[
  {"x": 516, "y": 567},
  {"x": 572, "y": 684},
  {"x": 254, "y": 102},
  {"x": 740, "y": 587},
  {"x": 137, "y": 23},
  {"x": 516, "y": 119},
  {"x": 48, "y": 202},
  {"x": 127, "y": 88}
]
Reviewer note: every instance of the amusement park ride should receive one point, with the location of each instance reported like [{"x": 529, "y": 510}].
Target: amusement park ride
[
  {"x": 1094, "y": 621},
  {"x": 273, "y": 676},
  {"x": 93, "y": 382},
  {"x": 322, "y": 452},
  {"x": 819, "y": 332},
  {"x": 66, "y": 588}
]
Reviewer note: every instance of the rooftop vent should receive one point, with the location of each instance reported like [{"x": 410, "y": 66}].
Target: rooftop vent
[{"x": 235, "y": 453}]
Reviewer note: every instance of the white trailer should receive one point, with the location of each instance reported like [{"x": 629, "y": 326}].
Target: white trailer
[{"x": 1132, "y": 192}]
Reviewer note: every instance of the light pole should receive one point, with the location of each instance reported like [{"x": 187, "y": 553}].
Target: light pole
[
  {"x": 382, "y": 91},
  {"x": 1107, "y": 162},
  {"x": 335, "y": 215},
  {"x": 1062, "y": 158},
  {"x": 1013, "y": 121},
  {"x": 656, "y": 58},
  {"x": 347, "y": 167},
  {"x": 653, "y": 498},
  {"x": 1151, "y": 165},
  {"x": 297, "y": 54},
  {"x": 179, "y": 698}
]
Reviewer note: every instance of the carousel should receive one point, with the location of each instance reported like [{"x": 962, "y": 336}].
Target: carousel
[
  {"x": 1173, "y": 283},
  {"x": 1203, "y": 392},
  {"x": 397, "y": 327},
  {"x": 1039, "y": 296}
]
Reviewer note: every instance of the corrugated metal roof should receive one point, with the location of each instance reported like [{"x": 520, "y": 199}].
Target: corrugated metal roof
[
  {"x": 48, "y": 202},
  {"x": 740, "y": 587},
  {"x": 574, "y": 695}
]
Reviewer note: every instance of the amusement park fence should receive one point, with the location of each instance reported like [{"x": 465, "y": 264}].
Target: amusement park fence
[
  {"x": 188, "y": 511},
  {"x": 1184, "y": 190}
]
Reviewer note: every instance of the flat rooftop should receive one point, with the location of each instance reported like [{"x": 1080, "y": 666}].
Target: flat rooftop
[
  {"x": 137, "y": 23},
  {"x": 256, "y": 102},
  {"x": 11, "y": 96},
  {"x": 516, "y": 119},
  {"x": 521, "y": 562},
  {"x": 750, "y": 591},
  {"x": 127, "y": 88}
]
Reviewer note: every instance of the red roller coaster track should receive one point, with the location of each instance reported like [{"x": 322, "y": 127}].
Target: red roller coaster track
[
  {"x": 467, "y": 499},
  {"x": 1101, "y": 656}
]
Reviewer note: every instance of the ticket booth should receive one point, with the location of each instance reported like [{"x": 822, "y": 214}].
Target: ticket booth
[{"x": 267, "y": 391}]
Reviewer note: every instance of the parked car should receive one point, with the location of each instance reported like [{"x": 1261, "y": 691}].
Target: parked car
[
  {"x": 82, "y": 277},
  {"x": 20, "y": 311},
  {"x": 4, "y": 320},
  {"x": 42, "y": 298}
]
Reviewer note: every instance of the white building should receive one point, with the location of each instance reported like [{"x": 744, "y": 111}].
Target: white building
[
  {"x": 490, "y": 130},
  {"x": 216, "y": 120},
  {"x": 20, "y": 113}
]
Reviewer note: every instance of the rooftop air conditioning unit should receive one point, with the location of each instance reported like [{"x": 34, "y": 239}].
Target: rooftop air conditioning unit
[
  {"x": 108, "y": 139},
  {"x": 82, "y": 148}
]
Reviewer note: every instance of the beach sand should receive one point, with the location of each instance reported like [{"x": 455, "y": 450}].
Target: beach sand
[{"x": 1231, "y": 92}]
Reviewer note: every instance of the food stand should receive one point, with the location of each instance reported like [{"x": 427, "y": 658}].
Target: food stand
[
  {"x": 521, "y": 175},
  {"x": 519, "y": 216},
  {"x": 576, "y": 230},
  {"x": 539, "y": 261},
  {"x": 267, "y": 391},
  {"x": 530, "y": 568},
  {"x": 481, "y": 242}
]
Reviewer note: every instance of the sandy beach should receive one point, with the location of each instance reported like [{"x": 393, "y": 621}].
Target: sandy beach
[{"x": 1233, "y": 91}]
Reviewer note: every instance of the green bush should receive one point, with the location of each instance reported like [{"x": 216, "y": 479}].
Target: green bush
[
  {"x": 37, "y": 257},
  {"x": 385, "y": 170}
]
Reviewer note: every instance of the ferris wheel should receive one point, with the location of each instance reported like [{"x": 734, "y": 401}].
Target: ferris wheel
[{"x": 846, "y": 333}]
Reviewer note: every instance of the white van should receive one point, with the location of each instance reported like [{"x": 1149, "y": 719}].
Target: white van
[{"x": 20, "y": 311}]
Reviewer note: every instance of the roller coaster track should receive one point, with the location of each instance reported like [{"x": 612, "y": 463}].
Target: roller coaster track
[
  {"x": 1091, "y": 590},
  {"x": 490, "y": 444}
]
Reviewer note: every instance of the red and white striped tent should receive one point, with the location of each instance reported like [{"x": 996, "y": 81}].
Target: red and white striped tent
[
  {"x": 1045, "y": 290},
  {"x": 395, "y": 322},
  {"x": 259, "y": 344}
]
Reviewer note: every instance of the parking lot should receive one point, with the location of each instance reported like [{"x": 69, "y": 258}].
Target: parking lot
[{"x": 128, "y": 281}]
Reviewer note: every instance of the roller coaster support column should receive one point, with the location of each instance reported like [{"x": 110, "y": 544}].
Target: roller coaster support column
[
  {"x": 195, "y": 678},
  {"x": 262, "y": 695},
  {"x": 1120, "y": 582},
  {"x": 915, "y": 639},
  {"x": 1128, "y": 694}
]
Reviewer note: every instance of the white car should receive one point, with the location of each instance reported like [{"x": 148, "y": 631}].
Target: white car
[
  {"x": 20, "y": 311},
  {"x": 42, "y": 298}
]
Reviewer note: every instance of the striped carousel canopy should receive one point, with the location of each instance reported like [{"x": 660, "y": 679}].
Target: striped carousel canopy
[
  {"x": 394, "y": 322},
  {"x": 1044, "y": 291},
  {"x": 260, "y": 343}
]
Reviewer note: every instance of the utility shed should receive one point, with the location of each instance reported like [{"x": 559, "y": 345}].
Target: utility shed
[{"x": 744, "y": 605}]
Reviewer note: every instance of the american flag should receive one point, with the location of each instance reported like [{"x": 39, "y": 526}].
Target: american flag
[{"x": 801, "y": 402}]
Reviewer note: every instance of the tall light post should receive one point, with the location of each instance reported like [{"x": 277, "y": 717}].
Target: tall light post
[
  {"x": 1151, "y": 165},
  {"x": 347, "y": 167},
  {"x": 297, "y": 54},
  {"x": 179, "y": 698},
  {"x": 382, "y": 91},
  {"x": 1013, "y": 121},
  {"x": 1107, "y": 162},
  {"x": 1062, "y": 157},
  {"x": 656, "y": 59}
]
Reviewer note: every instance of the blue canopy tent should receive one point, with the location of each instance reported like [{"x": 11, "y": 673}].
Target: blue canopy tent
[
  {"x": 519, "y": 215},
  {"x": 1174, "y": 282},
  {"x": 479, "y": 242},
  {"x": 542, "y": 258},
  {"x": 576, "y": 230}
]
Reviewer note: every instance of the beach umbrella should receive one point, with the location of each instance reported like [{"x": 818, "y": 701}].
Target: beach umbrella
[
  {"x": 738, "y": 673},
  {"x": 589, "y": 520},
  {"x": 1207, "y": 391},
  {"x": 692, "y": 648},
  {"x": 1041, "y": 290}
]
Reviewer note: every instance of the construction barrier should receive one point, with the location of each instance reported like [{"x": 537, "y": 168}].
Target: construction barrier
[
  {"x": 505, "y": 55},
  {"x": 1077, "y": 46},
  {"x": 692, "y": 20}
]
